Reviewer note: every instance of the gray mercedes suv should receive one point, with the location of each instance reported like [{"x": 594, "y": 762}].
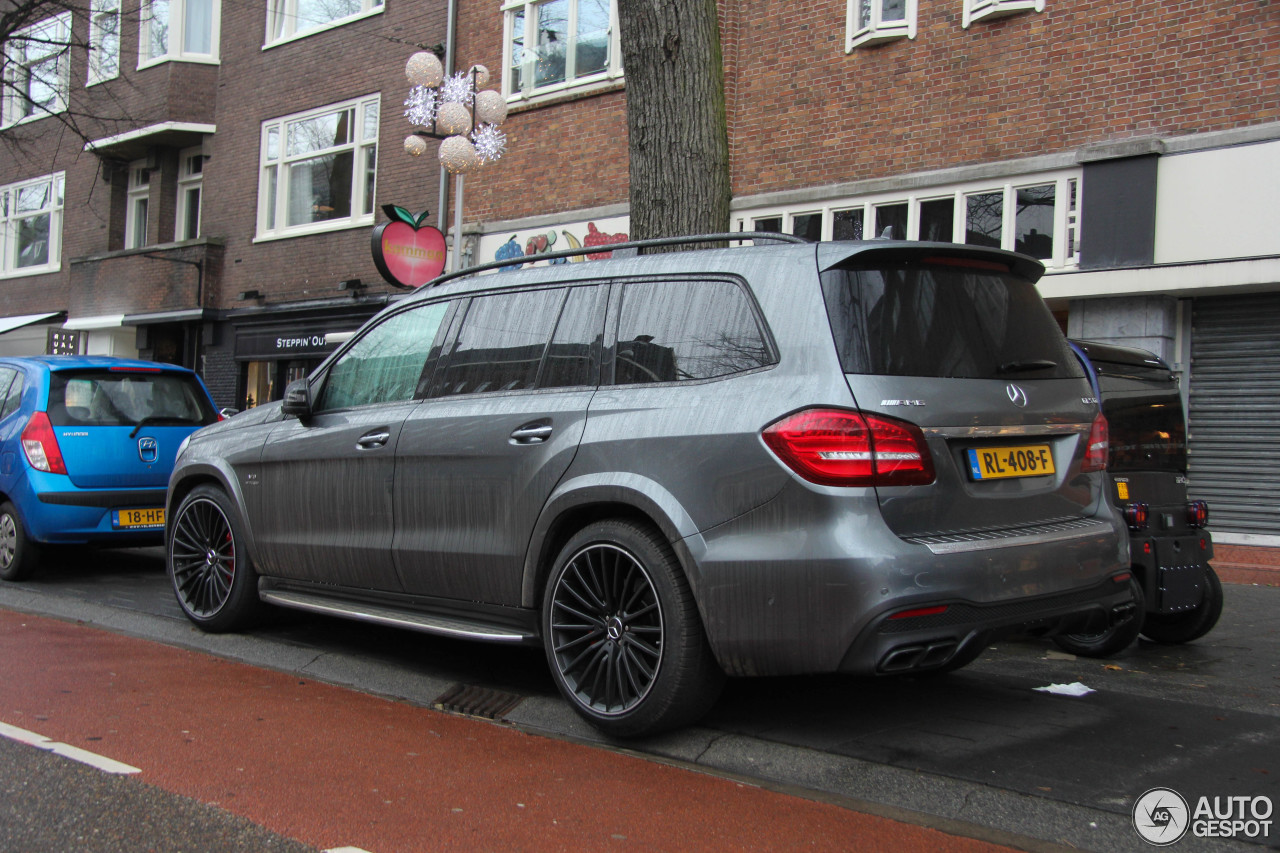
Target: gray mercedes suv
[{"x": 865, "y": 457}]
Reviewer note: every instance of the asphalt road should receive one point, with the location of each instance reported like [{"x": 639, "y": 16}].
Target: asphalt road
[{"x": 980, "y": 752}]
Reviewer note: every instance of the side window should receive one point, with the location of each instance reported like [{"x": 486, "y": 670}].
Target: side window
[
  {"x": 385, "y": 364},
  {"x": 678, "y": 330},
  {"x": 501, "y": 343},
  {"x": 576, "y": 345},
  {"x": 11, "y": 389}
]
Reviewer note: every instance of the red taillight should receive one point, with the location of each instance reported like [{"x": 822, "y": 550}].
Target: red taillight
[
  {"x": 1137, "y": 516},
  {"x": 1197, "y": 514},
  {"x": 41, "y": 447},
  {"x": 1095, "y": 455},
  {"x": 837, "y": 447}
]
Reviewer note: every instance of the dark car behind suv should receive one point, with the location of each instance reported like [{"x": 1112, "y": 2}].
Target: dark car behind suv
[
  {"x": 1169, "y": 548},
  {"x": 868, "y": 457}
]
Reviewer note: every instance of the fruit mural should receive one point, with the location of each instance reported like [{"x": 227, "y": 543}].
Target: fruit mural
[{"x": 542, "y": 243}]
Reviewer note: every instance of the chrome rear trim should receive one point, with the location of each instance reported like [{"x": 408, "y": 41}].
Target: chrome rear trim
[
  {"x": 1040, "y": 534},
  {"x": 1008, "y": 431},
  {"x": 427, "y": 623}
]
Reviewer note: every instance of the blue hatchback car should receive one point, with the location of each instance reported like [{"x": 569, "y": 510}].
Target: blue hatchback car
[{"x": 86, "y": 447}]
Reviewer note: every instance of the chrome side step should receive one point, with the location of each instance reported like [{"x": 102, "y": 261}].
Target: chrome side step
[{"x": 427, "y": 623}]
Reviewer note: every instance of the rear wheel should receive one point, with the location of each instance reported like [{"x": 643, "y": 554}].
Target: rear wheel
[
  {"x": 622, "y": 633},
  {"x": 1115, "y": 639},
  {"x": 1192, "y": 625},
  {"x": 212, "y": 577},
  {"x": 19, "y": 556}
]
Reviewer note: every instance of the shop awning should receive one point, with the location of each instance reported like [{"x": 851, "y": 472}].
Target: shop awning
[{"x": 8, "y": 324}]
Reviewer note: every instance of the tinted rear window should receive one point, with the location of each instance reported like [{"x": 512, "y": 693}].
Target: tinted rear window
[
  {"x": 942, "y": 320},
  {"x": 1145, "y": 422},
  {"x": 126, "y": 398}
]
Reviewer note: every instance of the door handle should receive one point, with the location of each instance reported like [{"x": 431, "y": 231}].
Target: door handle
[
  {"x": 370, "y": 440},
  {"x": 534, "y": 433}
]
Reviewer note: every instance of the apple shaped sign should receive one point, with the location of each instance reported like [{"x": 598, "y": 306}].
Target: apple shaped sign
[{"x": 407, "y": 253}]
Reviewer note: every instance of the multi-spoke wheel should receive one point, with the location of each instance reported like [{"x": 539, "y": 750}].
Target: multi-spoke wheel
[
  {"x": 622, "y": 632},
  {"x": 18, "y": 554},
  {"x": 212, "y": 577}
]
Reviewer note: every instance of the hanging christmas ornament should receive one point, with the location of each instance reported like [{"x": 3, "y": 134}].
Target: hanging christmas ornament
[
  {"x": 415, "y": 146},
  {"x": 458, "y": 90},
  {"x": 421, "y": 106},
  {"x": 453, "y": 119},
  {"x": 490, "y": 143},
  {"x": 458, "y": 155},
  {"x": 491, "y": 107},
  {"x": 480, "y": 74},
  {"x": 424, "y": 69}
]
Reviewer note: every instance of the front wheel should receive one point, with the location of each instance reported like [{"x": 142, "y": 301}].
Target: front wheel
[
  {"x": 1115, "y": 639},
  {"x": 19, "y": 556},
  {"x": 622, "y": 633},
  {"x": 1192, "y": 625},
  {"x": 212, "y": 576}
]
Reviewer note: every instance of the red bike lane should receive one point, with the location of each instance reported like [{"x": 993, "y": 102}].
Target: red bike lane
[{"x": 335, "y": 767}]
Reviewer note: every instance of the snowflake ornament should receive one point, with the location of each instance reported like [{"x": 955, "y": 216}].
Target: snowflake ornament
[
  {"x": 490, "y": 142},
  {"x": 421, "y": 106},
  {"x": 457, "y": 90}
]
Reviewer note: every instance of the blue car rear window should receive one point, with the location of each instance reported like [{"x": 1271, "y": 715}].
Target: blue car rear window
[{"x": 126, "y": 398}]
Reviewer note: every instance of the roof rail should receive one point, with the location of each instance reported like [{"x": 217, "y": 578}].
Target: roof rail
[{"x": 613, "y": 247}]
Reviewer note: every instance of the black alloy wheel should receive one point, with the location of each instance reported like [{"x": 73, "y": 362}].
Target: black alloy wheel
[{"x": 213, "y": 580}]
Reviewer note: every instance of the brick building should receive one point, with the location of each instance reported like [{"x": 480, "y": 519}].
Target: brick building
[{"x": 1134, "y": 147}]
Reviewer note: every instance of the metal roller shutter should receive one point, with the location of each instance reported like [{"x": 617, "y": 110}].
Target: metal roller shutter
[{"x": 1234, "y": 416}]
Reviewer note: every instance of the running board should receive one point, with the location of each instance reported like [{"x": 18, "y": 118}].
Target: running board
[{"x": 426, "y": 623}]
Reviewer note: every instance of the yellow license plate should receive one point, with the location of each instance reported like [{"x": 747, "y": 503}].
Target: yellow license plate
[
  {"x": 138, "y": 518},
  {"x": 993, "y": 463}
]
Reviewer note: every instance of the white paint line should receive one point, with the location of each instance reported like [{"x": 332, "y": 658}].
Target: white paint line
[
  {"x": 75, "y": 753},
  {"x": 345, "y": 850}
]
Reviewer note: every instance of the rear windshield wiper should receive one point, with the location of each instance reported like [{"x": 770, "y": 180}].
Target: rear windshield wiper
[
  {"x": 1024, "y": 366},
  {"x": 158, "y": 419}
]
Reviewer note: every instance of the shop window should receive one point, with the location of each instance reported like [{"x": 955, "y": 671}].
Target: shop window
[
  {"x": 554, "y": 45},
  {"x": 807, "y": 225},
  {"x": 104, "y": 40},
  {"x": 847, "y": 224},
  {"x": 138, "y": 205},
  {"x": 872, "y": 22},
  {"x": 937, "y": 220},
  {"x": 288, "y": 19},
  {"x": 182, "y": 30},
  {"x": 984, "y": 219},
  {"x": 318, "y": 170},
  {"x": 670, "y": 331},
  {"x": 1033, "y": 221},
  {"x": 891, "y": 221},
  {"x": 31, "y": 226},
  {"x": 37, "y": 70},
  {"x": 976, "y": 10},
  {"x": 190, "y": 188}
]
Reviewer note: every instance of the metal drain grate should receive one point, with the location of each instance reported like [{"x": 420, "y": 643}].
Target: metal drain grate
[{"x": 476, "y": 701}]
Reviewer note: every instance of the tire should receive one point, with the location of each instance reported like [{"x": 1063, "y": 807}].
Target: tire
[
  {"x": 622, "y": 633},
  {"x": 212, "y": 576},
  {"x": 19, "y": 556},
  {"x": 1115, "y": 639},
  {"x": 1192, "y": 625}
]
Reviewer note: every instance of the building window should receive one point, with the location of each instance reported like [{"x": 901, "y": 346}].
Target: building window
[
  {"x": 288, "y": 19},
  {"x": 185, "y": 30},
  {"x": 870, "y": 22},
  {"x": 138, "y": 205},
  {"x": 190, "y": 186},
  {"x": 1037, "y": 215},
  {"x": 37, "y": 70},
  {"x": 555, "y": 45},
  {"x": 31, "y": 226},
  {"x": 318, "y": 170},
  {"x": 104, "y": 41},
  {"x": 976, "y": 10}
]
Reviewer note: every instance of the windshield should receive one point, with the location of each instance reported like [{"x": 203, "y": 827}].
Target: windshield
[
  {"x": 127, "y": 398},
  {"x": 944, "y": 318}
]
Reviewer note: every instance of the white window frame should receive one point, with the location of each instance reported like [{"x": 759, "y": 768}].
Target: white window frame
[
  {"x": 104, "y": 41},
  {"x": 529, "y": 93},
  {"x": 137, "y": 211},
  {"x": 1066, "y": 215},
  {"x": 10, "y": 217},
  {"x": 976, "y": 10},
  {"x": 190, "y": 180},
  {"x": 175, "y": 47},
  {"x": 875, "y": 31},
  {"x": 29, "y": 47},
  {"x": 282, "y": 21},
  {"x": 274, "y": 172}
]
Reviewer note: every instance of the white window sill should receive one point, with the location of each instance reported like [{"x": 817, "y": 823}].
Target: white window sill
[
  {"x": 43, "y": 269},
  {"x": 324, "y": 28},
  {"x": 28, "y": 119},
  {"x": 311, "y": 230},
  {"x": 1000, "y": 9},
  {"x": 585, "y": 86},
  {"x": 871, "y": 38},
  {"x": 193, "y": 59}
]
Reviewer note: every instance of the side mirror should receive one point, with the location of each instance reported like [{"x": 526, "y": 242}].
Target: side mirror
[
  {"x": 297, "y": 399},
  {"x": 228, "y": 412}
]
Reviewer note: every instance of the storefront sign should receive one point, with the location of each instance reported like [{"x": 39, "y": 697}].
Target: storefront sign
[
  {"x": 407, "y": 253},
  {"x": 287, "y": 344}
]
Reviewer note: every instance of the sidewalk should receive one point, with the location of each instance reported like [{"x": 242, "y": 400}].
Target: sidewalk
[
  {"x": 1246, "y": 564},
  {"x": 333, "y": 767}
]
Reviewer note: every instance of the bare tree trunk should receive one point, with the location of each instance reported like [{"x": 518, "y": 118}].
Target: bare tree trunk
[{"x": 679, "y": 141}]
